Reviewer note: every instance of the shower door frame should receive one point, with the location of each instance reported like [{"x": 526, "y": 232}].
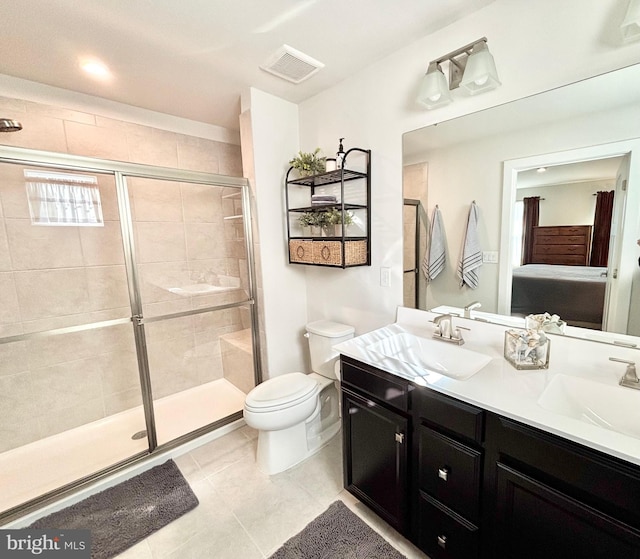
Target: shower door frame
[{"x": 121, "y": 171}]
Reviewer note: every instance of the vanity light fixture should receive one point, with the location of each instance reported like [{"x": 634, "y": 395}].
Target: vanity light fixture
[
  {"x": 630, "y": 26},
  {"x": 471, "y": 67}
]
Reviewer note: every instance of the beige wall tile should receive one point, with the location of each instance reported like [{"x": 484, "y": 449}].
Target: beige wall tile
[
  {"x": 115, "y": 403},
  {"x": 172, "y": 365},
  {"x": 205, "y": 241},
  {"x": 102, "y": 246},
  {"x": 230, "y": 160},
  {"x": 107, "y": 287},
  {"x": 151, "y": 146},
  {"x": 172, "y": 328},
  {"x": 108, "y": 198},
  {"x": 5, "y": 256},
  {"x": 201, "y": 203},
  {"x": 155, "y": 200},
  {"x": 13, "y": 358},
  {"x": 76, "y": 415},
  {"x": 157, "y": 278},
  {"x": 160, "y": 242},
  {"x": 94, "y": 141},
  {"x": 54, "y": 350},
  {"x": 119, "y": 372},
  {"x": 13, "y": 193},
  {"x": 38, "y": 132},
  {"x": 13, "y": 105},
  {"x": 38, "y": 247},
  {"x": 65, "y": 386},
  {"x": 59, "y": 113},
  {"x": 198, "y": 154},
  {"x": 52, "y": 293},
  {"x": 9, "y": 308}
]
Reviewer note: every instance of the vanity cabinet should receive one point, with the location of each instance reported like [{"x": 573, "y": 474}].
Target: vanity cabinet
[
  {"x": 376, "y": 431},
  {"x": 463, "y": 482},
  {"x": 345, "y": 195},
  {"x": 448, "y": 475},
  {"x": 554, "y": 498}
]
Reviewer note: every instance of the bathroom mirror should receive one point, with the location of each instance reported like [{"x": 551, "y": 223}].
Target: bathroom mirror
[{"x": 586, "y": 136}]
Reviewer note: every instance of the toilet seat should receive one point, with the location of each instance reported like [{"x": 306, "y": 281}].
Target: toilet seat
[{"x": 281, "y": 392}]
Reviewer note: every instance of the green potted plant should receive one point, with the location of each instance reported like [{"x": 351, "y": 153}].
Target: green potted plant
[
  {"x": 334, "y": 220},
  {"x": 306, "y": 220},
  {"x": 309, "y": 163}
]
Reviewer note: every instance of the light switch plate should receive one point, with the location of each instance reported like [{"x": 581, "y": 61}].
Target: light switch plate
[
  {"x": 385, "y": 277},
  {"x": 490, "y": 256}
]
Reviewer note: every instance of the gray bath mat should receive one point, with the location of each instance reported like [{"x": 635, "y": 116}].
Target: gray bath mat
[
  {"x": 337, "y": 534},
  {"x": 121, "y": 516}
]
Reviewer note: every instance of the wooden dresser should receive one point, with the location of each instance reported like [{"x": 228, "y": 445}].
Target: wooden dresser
[{"x": 562, "y": 244}]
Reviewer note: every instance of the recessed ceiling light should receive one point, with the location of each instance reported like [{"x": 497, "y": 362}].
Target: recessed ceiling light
[
  {"x": 95, "y": 68},
  {"x": 541, "y": 169}
]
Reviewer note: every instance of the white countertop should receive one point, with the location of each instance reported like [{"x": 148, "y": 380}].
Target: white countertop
[{"x": 502, "y": 389}]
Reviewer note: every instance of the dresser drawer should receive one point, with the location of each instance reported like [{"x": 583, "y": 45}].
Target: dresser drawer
[
  {"x": 561, "y": 240},
  {"x": 443, "y": 535},
  {"x": 560, "y": 249},
  {"x": 449, "y": 415},
  {"x": 450, "y": 472}
]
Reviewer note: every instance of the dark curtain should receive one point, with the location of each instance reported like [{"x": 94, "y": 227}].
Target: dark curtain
[
  {"x": 602, "y": 229},
  {"x": 530, "y": 219}
]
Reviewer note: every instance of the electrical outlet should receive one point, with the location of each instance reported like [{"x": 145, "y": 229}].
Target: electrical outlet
[
  {"x": 490, "y": 256},
  {"x": 385, "y": 277}
]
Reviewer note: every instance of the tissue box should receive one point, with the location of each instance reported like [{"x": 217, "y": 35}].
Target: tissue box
[{"x": 527, "y": 349}]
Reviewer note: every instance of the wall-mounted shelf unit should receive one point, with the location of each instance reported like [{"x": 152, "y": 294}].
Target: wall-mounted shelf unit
[{"x": 344, "y": 240}]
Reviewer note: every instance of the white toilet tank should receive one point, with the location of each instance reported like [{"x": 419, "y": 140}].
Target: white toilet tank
[{"x": 323, "y": 335}]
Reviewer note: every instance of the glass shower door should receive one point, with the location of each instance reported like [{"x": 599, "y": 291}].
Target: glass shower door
[
  {"x": 195, "y": 305},
  {"x": 70, "y": 396}
]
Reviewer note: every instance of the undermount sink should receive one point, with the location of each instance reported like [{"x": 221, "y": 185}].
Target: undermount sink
[
  {"x": 432, "y": 356},
  {"x": 610, "y": 406}
]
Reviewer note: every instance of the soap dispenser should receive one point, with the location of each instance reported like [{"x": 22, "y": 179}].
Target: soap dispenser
[{"x": 340, "y": 155}]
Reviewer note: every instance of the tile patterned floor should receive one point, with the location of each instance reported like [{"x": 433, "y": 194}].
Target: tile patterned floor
[{"x": 246, "y": 514}]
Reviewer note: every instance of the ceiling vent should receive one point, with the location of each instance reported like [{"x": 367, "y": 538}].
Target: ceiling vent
[{"x": 291, "y": 65}]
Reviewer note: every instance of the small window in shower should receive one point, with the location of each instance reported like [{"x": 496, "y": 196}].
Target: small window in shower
[{"x": 63, "y": 199}]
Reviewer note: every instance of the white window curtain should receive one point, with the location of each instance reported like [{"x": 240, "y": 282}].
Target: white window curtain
[{"x": 63, "y": 199}]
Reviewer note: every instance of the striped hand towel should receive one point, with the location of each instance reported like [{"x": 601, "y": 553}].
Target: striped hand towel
[
  {"x": 434, "y": 257},
  {"x": 471, "y": 258}
]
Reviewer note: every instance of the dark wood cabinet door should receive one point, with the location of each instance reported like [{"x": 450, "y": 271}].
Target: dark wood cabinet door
[
  {"x": 375, "y": 457},
  {"x": 536, "y": 521}
]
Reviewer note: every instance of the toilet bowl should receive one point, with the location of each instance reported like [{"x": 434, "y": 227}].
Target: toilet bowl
[{"x": 296, "y": 413}]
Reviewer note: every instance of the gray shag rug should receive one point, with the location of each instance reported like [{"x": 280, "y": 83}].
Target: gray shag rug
[
  {"x": 125, "y": 514},
  {"x": 337, "y": 534}
]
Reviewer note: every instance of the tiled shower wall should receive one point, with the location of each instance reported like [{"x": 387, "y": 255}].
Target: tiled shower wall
[{"x": 52, "y": 277}]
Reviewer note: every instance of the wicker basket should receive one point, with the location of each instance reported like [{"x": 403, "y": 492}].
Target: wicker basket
[
  {"x": 328, "y": 253},
  {"x": 301, "y": 251}
]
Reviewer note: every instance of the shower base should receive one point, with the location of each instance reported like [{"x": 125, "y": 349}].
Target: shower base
[{"x": 42, "y": 466}]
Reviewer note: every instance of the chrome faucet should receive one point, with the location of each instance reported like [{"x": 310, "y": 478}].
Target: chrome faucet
[
  {"x": 470, "y": 307},
  {"x": 445, "y": 330},
  {"x": 630, "y": 377}
]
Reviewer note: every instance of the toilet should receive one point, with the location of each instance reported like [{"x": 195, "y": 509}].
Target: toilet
[{"x": 296, "y": 414}]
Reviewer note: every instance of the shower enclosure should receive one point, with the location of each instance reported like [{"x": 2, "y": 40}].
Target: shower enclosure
[{"x": 127, "y": 316}]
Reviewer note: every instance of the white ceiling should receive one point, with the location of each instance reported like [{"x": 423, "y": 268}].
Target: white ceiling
[{"x": 193, "y": 58}]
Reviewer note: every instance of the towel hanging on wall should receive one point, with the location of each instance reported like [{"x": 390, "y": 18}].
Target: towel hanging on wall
[
  {"x": 434, "y": 257},
  {"x": 471, "y": 257}
]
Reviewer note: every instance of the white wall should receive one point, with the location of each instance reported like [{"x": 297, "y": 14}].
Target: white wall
[
  {"x": 274, "y": 132},
  {"x": 537, "y": 46}
]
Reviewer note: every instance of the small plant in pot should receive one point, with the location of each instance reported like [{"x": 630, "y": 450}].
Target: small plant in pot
[
  {"x": 334, "y": 221},
  {"x": 306, "y": 220},
  {"x": 309, "y": 163}
]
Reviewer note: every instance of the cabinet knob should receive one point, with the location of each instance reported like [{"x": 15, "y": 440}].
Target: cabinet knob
[
  {"x": 399, "y": 438},
  {"x": 442, "y": 541},
  {"x": 443, "y": 474}
]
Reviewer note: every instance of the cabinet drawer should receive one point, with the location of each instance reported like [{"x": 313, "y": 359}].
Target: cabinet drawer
[
  {"x": 450, "y": 472},
  {"x": 444, "y": 535},
  {"x": 449, "y": 414},
  {"x": 376, "y": 384}
]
